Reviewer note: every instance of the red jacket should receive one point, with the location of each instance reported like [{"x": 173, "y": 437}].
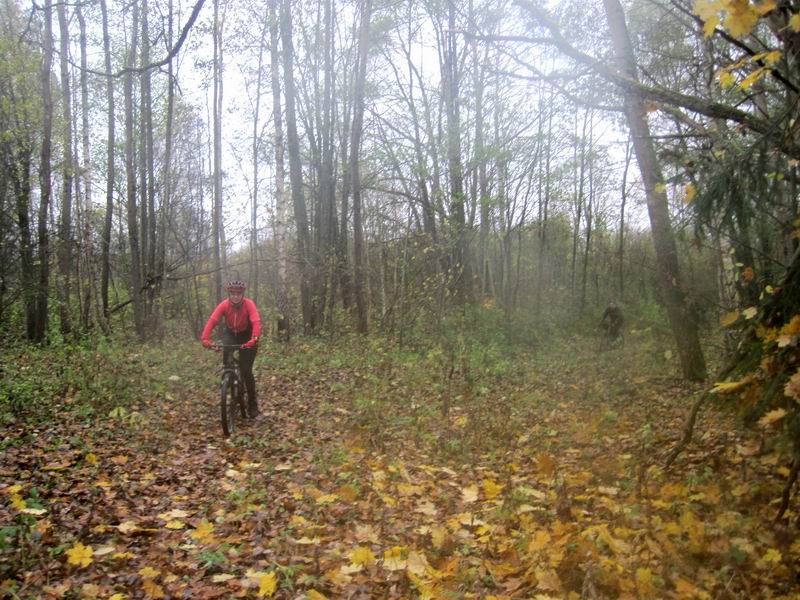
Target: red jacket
[{"x": 237, "y": 318}]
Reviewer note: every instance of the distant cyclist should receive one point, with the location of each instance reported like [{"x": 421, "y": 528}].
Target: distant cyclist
[
  {"x": 242, "y": 327},
  {"x": 612, "y": 321}
]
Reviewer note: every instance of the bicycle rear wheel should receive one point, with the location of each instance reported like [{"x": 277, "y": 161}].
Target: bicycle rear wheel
[{"x": 229, "y": 406}]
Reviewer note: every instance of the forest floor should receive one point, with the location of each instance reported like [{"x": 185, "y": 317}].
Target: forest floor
[{"x": 373, "y": 480}]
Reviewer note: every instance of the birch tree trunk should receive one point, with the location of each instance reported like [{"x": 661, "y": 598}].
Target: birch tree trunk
[{"x": 282, "y": 299}]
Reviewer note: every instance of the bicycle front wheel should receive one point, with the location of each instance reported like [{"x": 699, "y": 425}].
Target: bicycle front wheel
[{"x": 229, "y": 406}]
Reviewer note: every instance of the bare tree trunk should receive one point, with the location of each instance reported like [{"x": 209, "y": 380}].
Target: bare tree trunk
[
  {"x": 296, "y": 167},
  {"x": 461, "y": 268},
  {"x": 621, "y": 247},
  {"x": 43, "y": 256},
  {"x": 355, "y": 147},
  {"x": 282, "y": 299},
  {"x": 216, "y": 219},
  {"x": 684, "y": 325},
  {"x": 65, "y": 226},
  {"x": 105, "y": 258},
  {"x": 589, "y": 214},
  {"x": 148, "y": 170},
  {"x": 130, "y": 173},
  {"x": 255, "y": 151},
  {"x": 88, "y": 253}
]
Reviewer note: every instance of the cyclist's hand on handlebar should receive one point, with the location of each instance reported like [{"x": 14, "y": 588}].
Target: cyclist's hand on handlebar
[
  {"x": 207, "y": 344},
  {"x": 250, "y": 344}
]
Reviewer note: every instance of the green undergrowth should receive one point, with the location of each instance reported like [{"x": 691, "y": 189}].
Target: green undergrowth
[{"x": 92, "y": 376}]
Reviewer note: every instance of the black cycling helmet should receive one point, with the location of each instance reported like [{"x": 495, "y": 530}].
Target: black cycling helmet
[{"x": 235, "y": 285}]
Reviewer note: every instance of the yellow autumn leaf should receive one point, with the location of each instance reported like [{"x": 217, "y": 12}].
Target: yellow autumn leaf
[
  {"x": 117, "y": 597},
  {"x": 766, "y": 7},
  {"x": 91, "y": 458},
  {"x": 123, "y": 555},
  {"x": 17, "y": 502},
  {"x": 750, "y": 312},
  {"x": 729, "y": 319},
  {"x": 794, "y": 22},
  {"x": 13, "y": 489},
  {"x": 267, "y": 584},
  {"x": 772, "y": 57},
  {"x": 327, "y": 498},
  {"x": 726, "y": 79},
  {"x": 149, "y": 573},
  {"x": 540, "y": 541},
  {"x": 690, "y": 194},
  {"x": 175, "y": 525},
  {"x": 771, "y": 417},
  {"x": 469, "y": 494},
  {"x": 362, "y": 556},
  {"x": 792, "y": 327},
  {"x": 727, "y": 387},
  {"x": 741, "y": 20},
  {"x": 661, "y": 188},
  {"x": 313, "y": 594},
  {"x": 773, "y": 556},
  {"x": 222, "y": 577},
  {"x": 792, "y": 388},
  {"x": 706, "y": 9},
  {"x": 80, "y": 555},
  {"x": 203, "y": 531},
  {"x": 710, "y": 26},
  {"x": 152, "y": 589},
  {"x": 752, "y": 78},
  {"x": 644, "y": 581},
  {"x": 491, "y": 489},
  {"x": 393, "y": 559}
]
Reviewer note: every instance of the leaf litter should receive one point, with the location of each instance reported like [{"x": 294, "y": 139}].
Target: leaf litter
[{"x": 310, "y": 503}]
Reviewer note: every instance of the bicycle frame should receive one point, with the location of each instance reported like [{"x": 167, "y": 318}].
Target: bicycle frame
[{"x": 231, "y": 376}]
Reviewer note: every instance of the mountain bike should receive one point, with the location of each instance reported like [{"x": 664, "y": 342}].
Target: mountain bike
[
  {"x": 233, "y": 392},
  {"x": 612, "y": 336}
]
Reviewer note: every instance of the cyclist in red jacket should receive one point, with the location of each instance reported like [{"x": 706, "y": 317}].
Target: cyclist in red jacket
[{"x": 242, "y": 326}]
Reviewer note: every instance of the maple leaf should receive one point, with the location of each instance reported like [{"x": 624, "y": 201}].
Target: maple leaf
[
  {"x": 149, "y": 573},
  {"x": 469, "y": 494},
  {"x": 267, "y": 584},
  {"x": 80, "y": 555},
  {"x": 540, "y": 541},
  {"x": 203, "y": 531},
  {"x": 491, "y": 489},
  {"x": 362, "y": 556},
  {"x": 771, "y": 417}
]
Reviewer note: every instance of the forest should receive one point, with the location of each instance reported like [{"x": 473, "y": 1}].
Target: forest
[{"x": 528, "y": 281}]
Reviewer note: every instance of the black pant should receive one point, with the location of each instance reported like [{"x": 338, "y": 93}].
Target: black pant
[{"x": 246, "y": 358}]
